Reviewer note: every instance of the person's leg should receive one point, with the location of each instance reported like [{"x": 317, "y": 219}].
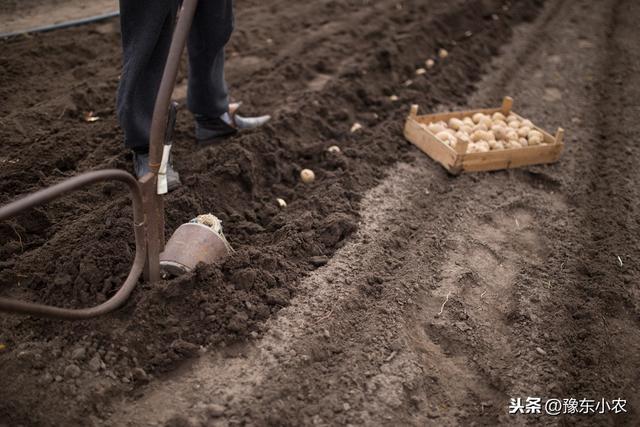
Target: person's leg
[
  {"x": 207, "y": 98},
  {"x": 146, "y": 36},
  {"x": 211, "y": 29}
]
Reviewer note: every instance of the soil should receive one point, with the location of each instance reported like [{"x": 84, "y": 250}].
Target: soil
[
  {"x": 23, "y": 15},
  {"x": 387, "y": 292}
]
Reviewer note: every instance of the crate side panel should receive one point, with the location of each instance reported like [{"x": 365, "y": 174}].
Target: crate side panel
[
  {"x": 505, "y": 159},
  {"x": 429, "y": 144}
]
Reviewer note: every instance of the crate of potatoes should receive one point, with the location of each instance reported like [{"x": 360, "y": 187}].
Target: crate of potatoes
[{"x": 482, "y": 140}]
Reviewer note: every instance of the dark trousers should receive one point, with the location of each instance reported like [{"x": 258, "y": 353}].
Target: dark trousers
[{"x": 147, "y": 27}]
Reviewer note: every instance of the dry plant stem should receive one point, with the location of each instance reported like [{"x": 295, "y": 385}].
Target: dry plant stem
[{"x": 443, "y": 304}]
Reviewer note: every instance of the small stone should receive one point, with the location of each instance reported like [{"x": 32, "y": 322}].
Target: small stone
[
  {"x": 346, "y": 406},
  {"x": 281, "y": 202},
  {"x": 356, "y": 127},
  {"x": 429, "y": 63},
  {"x": 393, "y": 98},
  {"x": 462, "y": 326},
  {"x": 215, "y": 411},
  {"x": 79, "y": 353},
  {"x": 139, "y": 375},
  {"x": 325, "y": 333},
  {"x": 442, "y": 53},
  {"x": 334, "y": 149},
  {"x": 420, "y": 71},
  {"x": 46, "y": 379},
  {"x": 318, "y": 261},
  {"x": 57, "y": 378},
  {"x": 95, "y": 363},
  {"x": 72, "y": 371},
  {"x": 541, "y": 351}
]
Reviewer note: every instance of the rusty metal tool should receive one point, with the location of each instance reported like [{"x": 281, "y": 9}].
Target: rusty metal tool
[{"x": 148, "y": 206}]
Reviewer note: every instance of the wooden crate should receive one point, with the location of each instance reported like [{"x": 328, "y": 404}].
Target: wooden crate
[{"x": 457, "y": 160}]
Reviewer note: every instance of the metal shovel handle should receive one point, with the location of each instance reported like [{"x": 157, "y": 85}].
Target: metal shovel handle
[{"x": 48, "y": 194}]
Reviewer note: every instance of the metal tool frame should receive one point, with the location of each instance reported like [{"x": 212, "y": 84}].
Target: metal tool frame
[{"x": 148, "y": 206}]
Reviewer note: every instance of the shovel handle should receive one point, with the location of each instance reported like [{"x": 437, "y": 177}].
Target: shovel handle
[{"x": 167, "y": 84}]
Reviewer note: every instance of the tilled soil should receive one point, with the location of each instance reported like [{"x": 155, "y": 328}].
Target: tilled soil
[
  {"x": 387, "y": 292},
  {"x": 22, "y": 15}
]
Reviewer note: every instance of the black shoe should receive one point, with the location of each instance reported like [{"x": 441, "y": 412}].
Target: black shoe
[
  {"x": 211, "y": 130},
  {"x": 141, "y": 168}
]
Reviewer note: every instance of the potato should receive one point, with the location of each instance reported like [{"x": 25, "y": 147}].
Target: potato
[
  {"x": 487, "y": 122},
  {"x": 500, "y": 123},
  {"x": 524, "y": 142},
  {"x": 523, "y": 131},
  {"x": 436, "y": 127},
  {"x": 512, "y": 117},
  {"x": 499, "y": 131},
  {"x": 513, "y": 144},
  {"x": 481, "y": 127},
  {"x": 480, "y": 135},
  {"x": 468, "y": 121},
  {"x": 535, "y": 138},
  {"x": 496, "y": 145},
  {"x": 511, "y": 134},
  {"x": 483, "y": 146},
  {"x": 462, "y": 136},
  {"x": 498, "y": 116},
  {"x": 536, "y": 133},
  {"x": 527, "y": 123},
  {"x": 455, "y": 123},
  {"x": 466, "y": 129},
  {"x": 446, "y": 137},
  {"x": 477, "y": 117},
  {"x": 515, "y": 124}
]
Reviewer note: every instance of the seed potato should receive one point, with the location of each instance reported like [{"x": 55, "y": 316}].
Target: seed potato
[
  {"x": 436, "y": 127},
  {"x": 480, "y": 126},
  {"x": 455, "y": 123},
  {"x": 484, "y": 132},
  {"x": 523, "y": 131}
]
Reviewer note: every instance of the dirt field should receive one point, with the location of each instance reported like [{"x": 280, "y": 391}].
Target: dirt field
[{"x": 387, "y": 292}]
